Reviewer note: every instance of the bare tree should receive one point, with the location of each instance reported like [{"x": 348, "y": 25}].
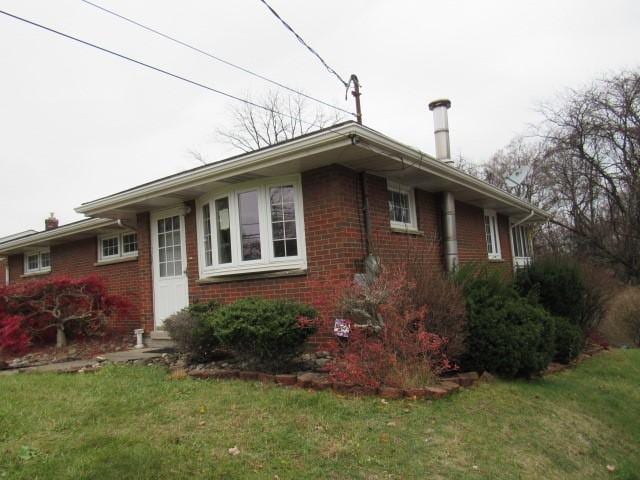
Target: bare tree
[
  {"x": 585, "y": 169},
  {"x": 593, "y": 149},
  {"x": 283, "y": 118}
]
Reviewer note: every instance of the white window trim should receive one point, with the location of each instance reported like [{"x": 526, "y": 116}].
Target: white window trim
[
  {"x": 495, "y": 232},
  {"x": 110, "y": 258},
  {"x": 268, "y": 262},
  {"x": 40, "y": 268},
  {"x": 520, "y": 261},
  {"x": 412, "y": 226}
]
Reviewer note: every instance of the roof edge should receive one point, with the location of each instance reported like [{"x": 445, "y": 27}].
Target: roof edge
[{"x": 62, "y": 231}]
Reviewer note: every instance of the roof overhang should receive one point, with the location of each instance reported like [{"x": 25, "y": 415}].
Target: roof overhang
[
  {"x": 65, "y": 233},
  {"x": 350, "y": 144}
]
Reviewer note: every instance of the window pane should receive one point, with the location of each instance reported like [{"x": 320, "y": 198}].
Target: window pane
[
  {"x": 249, "y": 225},
  {"x": 489, "y": 237},
  {"x": 45, "y": 260},
  {"x": 283, "y": 225},
  {"x": 399, "y": 207},
  {"x": 206, "y": 220},
  {"x": 163, "y": 269},
  {"x": 292, "y": 248},
  {"x": 110, "y": 247},
  {"x": 223, "y": 230},
  {"x": 278, "y": 248},
  {"x": 32, "y": 262},
  {"x": 129, "y": 243}
]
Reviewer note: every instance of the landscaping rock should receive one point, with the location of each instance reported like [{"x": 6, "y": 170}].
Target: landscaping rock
[
  {"x": 486, "y": 377},
  {"x": 248, "y": 375},
  {"x": 390, "y": 392},
  {"x": 363, "y": 391},
  {"x": 266, "y": 377},
  {"x": 434, "y": 393},
  {"x": 286, "y": 379},
  {"x": 450, "y": 387},
  {"x": 305, "y": 380},
  {"x": 321, "y": 384},
  {"x": 415, "y": 392},
  {"x": 344, "y": 388},
  {"x": 3, "y": 365},
  {"x": 466, "y": 379}
]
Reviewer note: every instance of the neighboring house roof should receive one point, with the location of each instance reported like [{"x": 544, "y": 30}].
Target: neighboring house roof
[
  {"x": 350, "y": 144},
  {"x": 70, "y": 231}
]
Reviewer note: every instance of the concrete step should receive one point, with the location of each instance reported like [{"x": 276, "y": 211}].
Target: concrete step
[{"x": 158, "y": 339}]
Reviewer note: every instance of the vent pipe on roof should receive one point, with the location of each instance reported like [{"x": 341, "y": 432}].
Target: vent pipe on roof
[
  {"x": 443, "y": 153},
  {"x": 441, "y": 129}
]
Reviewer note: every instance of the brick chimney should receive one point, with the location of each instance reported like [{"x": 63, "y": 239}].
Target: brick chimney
[{"x": 51, "y": 222}]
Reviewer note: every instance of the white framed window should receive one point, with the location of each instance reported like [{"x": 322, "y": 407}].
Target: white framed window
[
  {"x": 492, "y": 235},
  {"x": 37, "y": 261},
  {"x": 402, "y": 206},
  {"x": 521, "y": 245},
  {"x": 115, "y": 246},
  {"x": 256, "y": 226}
]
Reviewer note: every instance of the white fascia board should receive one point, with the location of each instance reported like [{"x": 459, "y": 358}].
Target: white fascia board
[
  {"x": 313, "y": 144},
  {"x": 295, "y": 149},
  {"x": 448, "y": 172},
  {"x": 55, "y": 234}
]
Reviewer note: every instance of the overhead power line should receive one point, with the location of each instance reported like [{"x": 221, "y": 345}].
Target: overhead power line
[
  {"x": 158, "y": 69},
  {"x": 212, "y": 56},
  {"x": 301, "y": 40}
]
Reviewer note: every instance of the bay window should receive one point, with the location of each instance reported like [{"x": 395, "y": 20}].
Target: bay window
[{"x": 256, "y": 226}]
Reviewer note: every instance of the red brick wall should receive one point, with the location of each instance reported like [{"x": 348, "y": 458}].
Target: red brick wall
[
  {"x": 131, "y": 279},
  {"x": 472, "y": 243},
  {"x": 334, "y": 231},
  {"x": 3, "y": 272}
]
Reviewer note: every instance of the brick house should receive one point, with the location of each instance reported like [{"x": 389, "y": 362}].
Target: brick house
[{"x": 280, "y": 222}]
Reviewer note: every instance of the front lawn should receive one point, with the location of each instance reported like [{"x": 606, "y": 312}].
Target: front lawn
[{"x": 134, "y": 422}]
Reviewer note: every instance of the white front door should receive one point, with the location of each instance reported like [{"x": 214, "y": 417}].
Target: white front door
[{"x": 170, "y": 283}]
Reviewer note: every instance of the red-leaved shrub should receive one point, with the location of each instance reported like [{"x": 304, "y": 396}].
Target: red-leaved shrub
[
  {"x": 39, "y": 311},
  {"x": 388, "y": 342}
]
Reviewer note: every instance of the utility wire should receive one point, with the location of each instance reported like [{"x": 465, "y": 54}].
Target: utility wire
[
  {"x": 301, "y": 40},
  {"x": 160, "y": 70},
  {"x": 214, "y": 57}
]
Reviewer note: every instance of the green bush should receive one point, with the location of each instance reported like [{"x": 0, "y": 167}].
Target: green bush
[
  {"x": 191, "y": 331},
  {"x": 569, "y": 340},
  {"x": 559, "y": 286},
  {"x": 508, "y": 335},
  {"x": 267, "y": 333}
]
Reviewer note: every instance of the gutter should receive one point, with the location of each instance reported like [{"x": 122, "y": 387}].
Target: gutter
[{"x": 60, "y": 232}]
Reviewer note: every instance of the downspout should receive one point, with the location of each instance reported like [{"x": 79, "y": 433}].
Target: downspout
[
  {"x": 443, "y": 154},
  {"x": 370, "y": 262},
  {"x": 524, "y": 219}
]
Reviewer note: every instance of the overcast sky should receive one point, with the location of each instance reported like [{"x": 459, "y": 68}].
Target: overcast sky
[{"x": 77, "y": 124}]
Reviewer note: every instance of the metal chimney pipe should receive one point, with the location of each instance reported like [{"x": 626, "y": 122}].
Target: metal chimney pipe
[
  {"x": 441, "y": 129},
  {"x": 443, "y": 153}
]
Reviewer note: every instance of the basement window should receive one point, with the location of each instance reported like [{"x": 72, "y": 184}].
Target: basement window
[
  {"x": 491, "y": 234},
  {"x": 402, "y": 206},
  {"x": 37, "y": 261},
  {"x": 117, "y": 246},
  {"x": 255, "y": 226}
]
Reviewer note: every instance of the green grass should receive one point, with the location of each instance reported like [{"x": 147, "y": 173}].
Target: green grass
[{"x": 135, "y": 423}]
